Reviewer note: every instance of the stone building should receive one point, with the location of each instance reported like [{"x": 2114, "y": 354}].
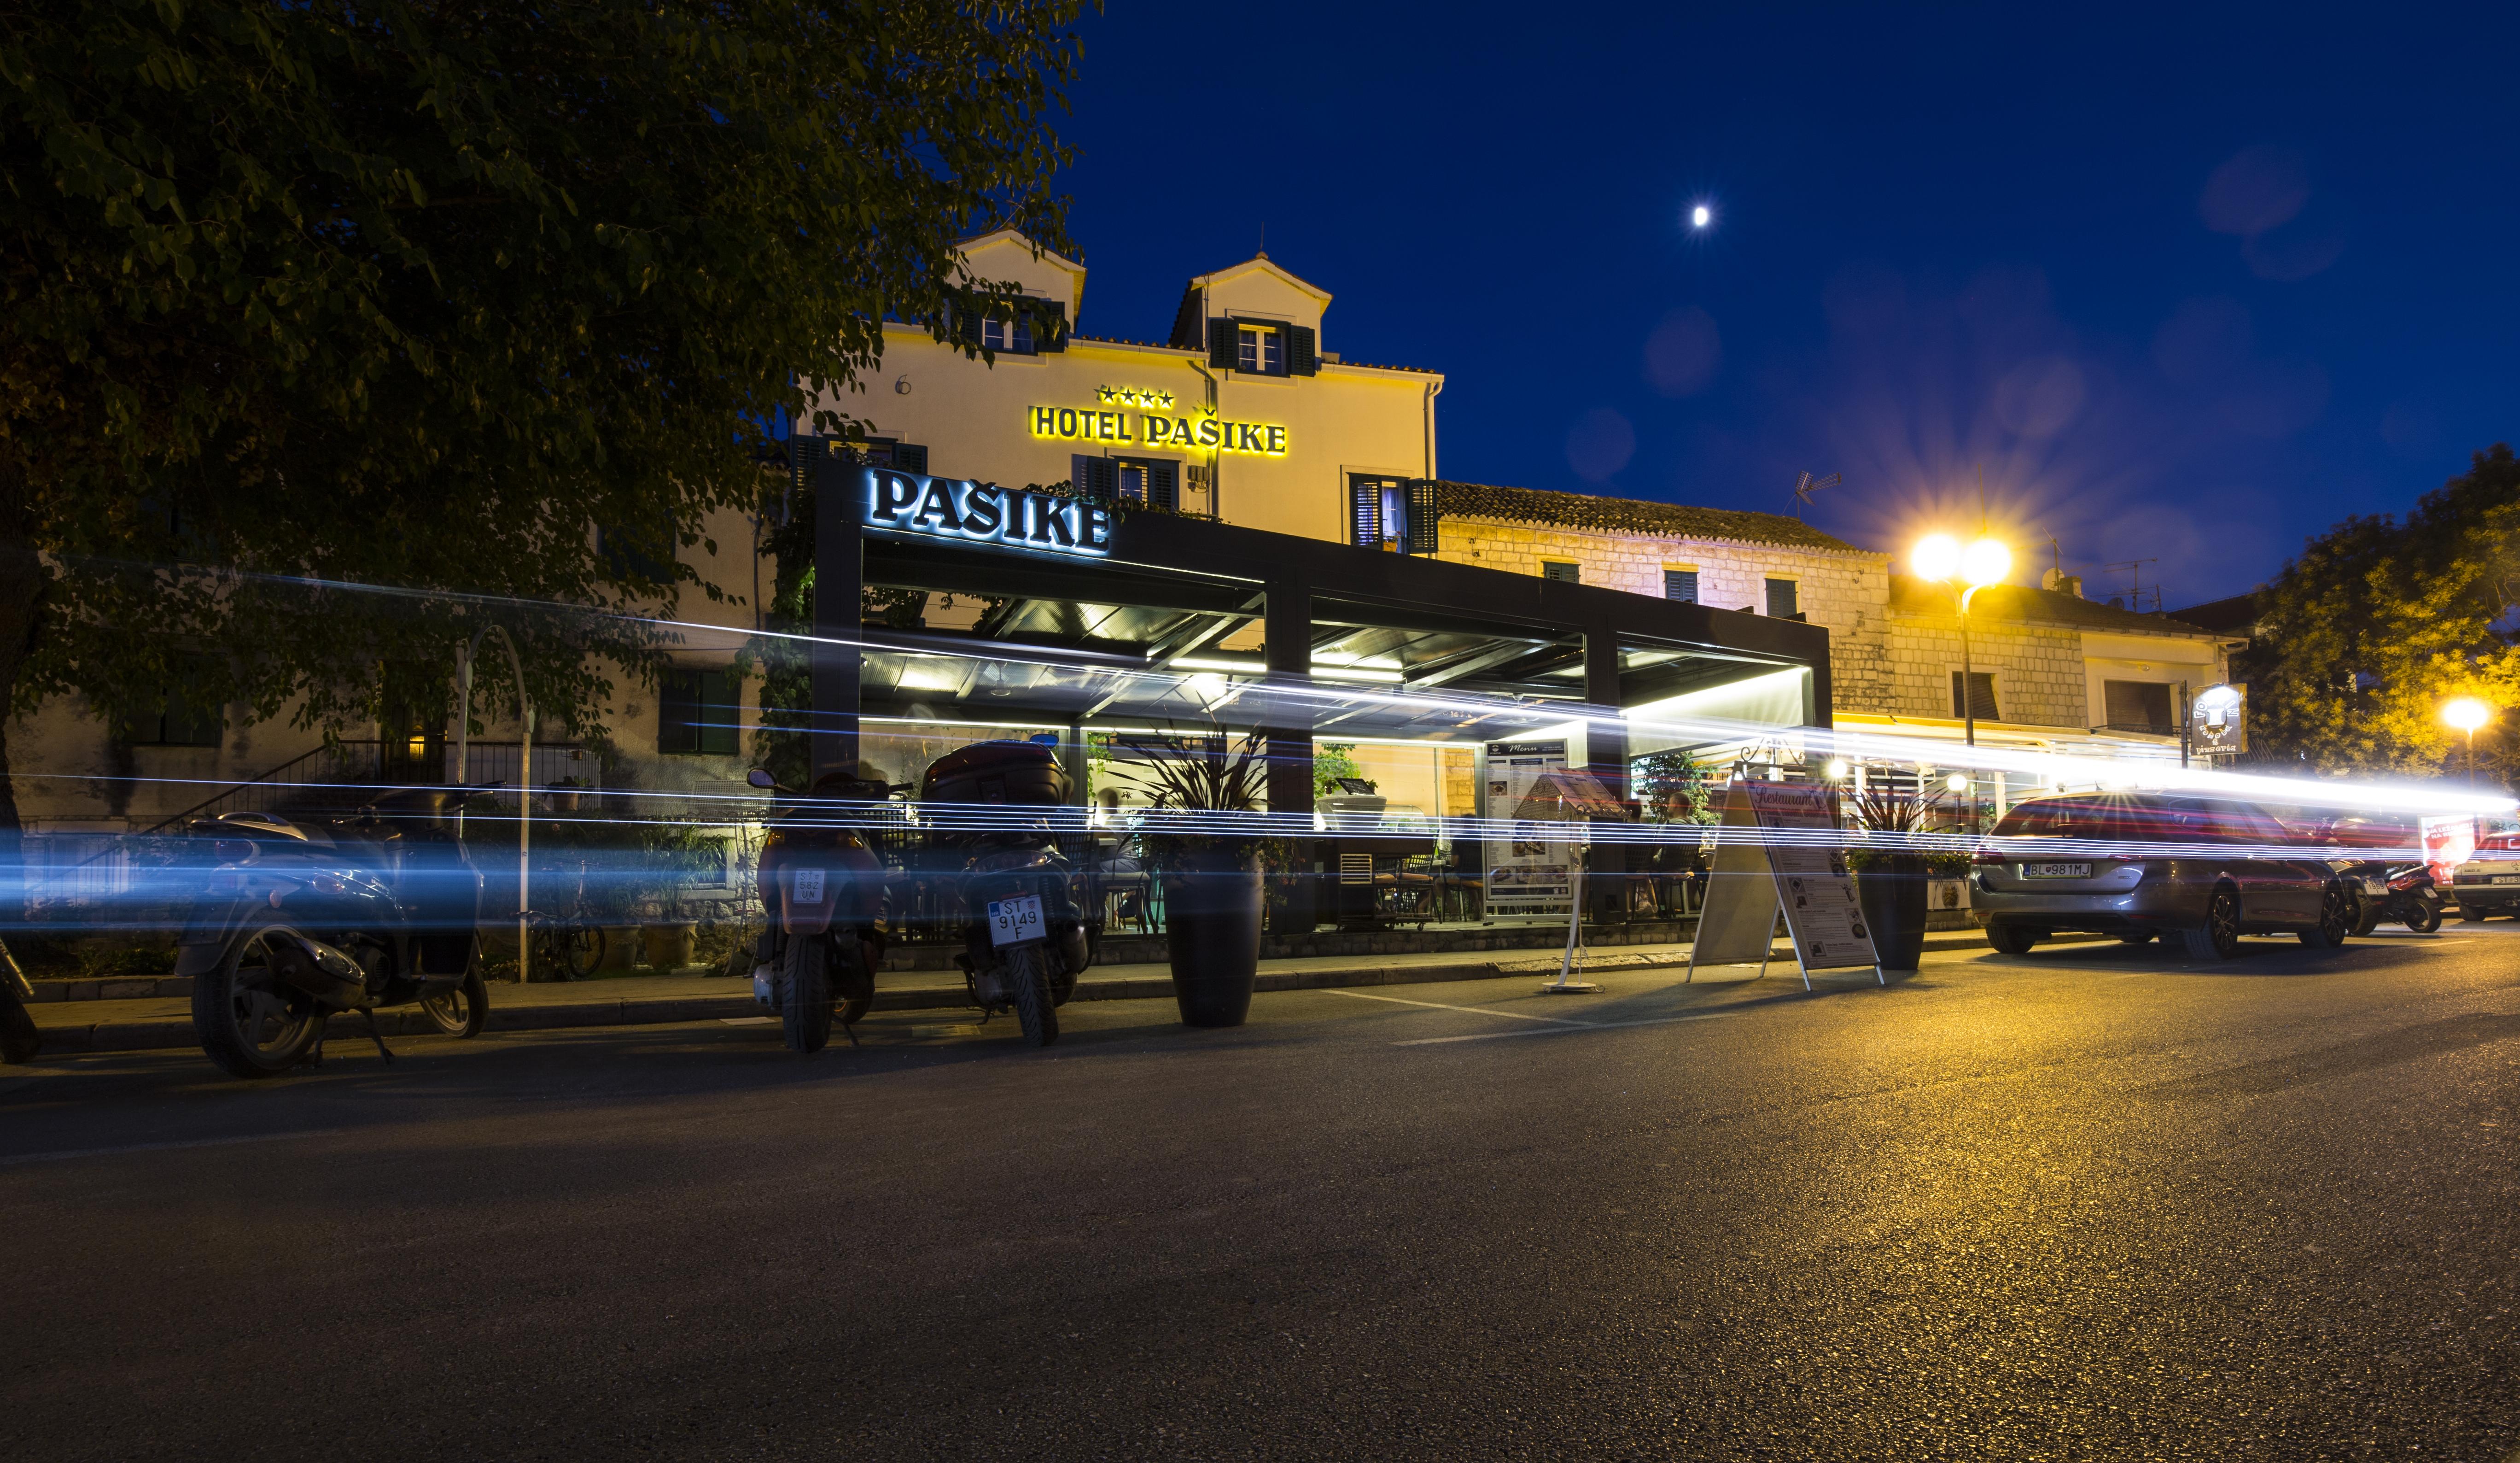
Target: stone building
[
  {"x": 2047, "y": 668},
  {"x": 1758, "y": 563}
]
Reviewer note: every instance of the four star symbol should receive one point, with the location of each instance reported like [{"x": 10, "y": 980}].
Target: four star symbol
[{"x": 1135, "y": 397}]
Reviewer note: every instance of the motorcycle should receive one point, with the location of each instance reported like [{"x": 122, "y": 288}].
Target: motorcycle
[
  {"x": 2411, "y": 900},
  {"x": 1024, "y": 930},
  {"x": 821, "y": 889},
  {"x": 305, "y": 920}
]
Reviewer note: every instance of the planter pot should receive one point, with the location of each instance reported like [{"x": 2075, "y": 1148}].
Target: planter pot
[
  {"x": 667, "y": 946},
  {"x": 620, "y": 946},
  {"x": 1893, "y": 897},
  {"x": 1212, "y": 926}
]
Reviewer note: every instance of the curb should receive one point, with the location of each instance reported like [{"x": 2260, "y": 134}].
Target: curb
[{"x": 407, "y": 1020}]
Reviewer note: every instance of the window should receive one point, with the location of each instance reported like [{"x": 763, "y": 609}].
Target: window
[
  {"x": 2137, "y": 706},
  {"x": 629, "y": 554},
  {"x": 1262, "y": 350},
  {"x": 699, "y": 711},
  {"x": 1680, "y": 584},
  {"x": 1781, "y": 599},
  {"x": 1153, "y": 482},
  {"x": 1559, "y": 569},
  {"x": 1008, "y": 335},
  {"x": 1981, "y": 696},
  {"x": 1379, "y": 512},
  {"x": 177, "y": 721}
]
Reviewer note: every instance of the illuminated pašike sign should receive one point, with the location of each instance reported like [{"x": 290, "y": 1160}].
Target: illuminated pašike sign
[
  {"x": 985, "y": 513},
  {"x": 1178, "y": 432}
]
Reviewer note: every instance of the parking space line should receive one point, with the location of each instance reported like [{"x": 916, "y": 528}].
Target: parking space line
[
  {"x": 1473, "y": 1010},
  {"x": 1581, "y": 1026}
]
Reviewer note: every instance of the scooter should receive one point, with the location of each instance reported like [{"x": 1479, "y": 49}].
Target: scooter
[
  {"x": 1026, "y": 936},
  {"x": 2412, "y": 900},
  {"x": 821, "y": 887},
  {"x": 305, "y": 920}
]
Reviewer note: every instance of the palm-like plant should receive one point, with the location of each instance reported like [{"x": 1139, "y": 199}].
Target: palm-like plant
[
  {"x": 1202, "y": 773},
  {"x": 1199, "y": 774}
]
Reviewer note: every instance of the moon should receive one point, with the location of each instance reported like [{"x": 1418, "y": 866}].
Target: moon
[{"x": 1700, "y": 217}]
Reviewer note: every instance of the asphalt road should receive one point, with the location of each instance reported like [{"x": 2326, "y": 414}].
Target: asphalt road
[{"x": 2092, "y": 1203}]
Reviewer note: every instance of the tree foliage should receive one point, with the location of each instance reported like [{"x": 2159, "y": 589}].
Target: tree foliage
[
  {"x": 482, "y": 304},
  {"x": 2362, "y": 639}
]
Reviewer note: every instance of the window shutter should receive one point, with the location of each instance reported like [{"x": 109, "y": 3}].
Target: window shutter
[
  {"x": 1094, "y": 478},
  {"x": 677, "y": 713},
  {"x": 910, "y": 457},
  {"x": 1680, "y": 584},
  {"x": 1302, "y": 359},
  {"x": 1220, "y": 344},
  {"x": 968, "y": 311},
  {"x": 1423, "y": 512},
  {"x": 1780, "y": 599},
  {"x": 1981, "y": 696},
  {"x": 1364, "y": 512},
  {"x": 720, "y": 709},
  {"x": 1163, "y": 488},
  {"x": 1050, "y": 333},
  {"x": 1572, "y": 574}
]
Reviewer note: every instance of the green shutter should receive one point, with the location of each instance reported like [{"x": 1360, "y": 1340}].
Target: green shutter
[{"x": 1221, "y": 340}]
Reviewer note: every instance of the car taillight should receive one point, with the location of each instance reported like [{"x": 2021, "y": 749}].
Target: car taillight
[{"x": 1985, "y": 856}]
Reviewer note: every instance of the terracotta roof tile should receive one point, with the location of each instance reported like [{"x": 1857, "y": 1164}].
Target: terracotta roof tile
[
  {"x": 2023, "y": 603},
  {"x": 1533, "y": 505}
]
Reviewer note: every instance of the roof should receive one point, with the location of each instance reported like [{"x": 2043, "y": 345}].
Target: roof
[
  {"x": 2236, "y": 616},
  {"x": 2022, "y": 603},
  {"x": 1533, "y": 505}
]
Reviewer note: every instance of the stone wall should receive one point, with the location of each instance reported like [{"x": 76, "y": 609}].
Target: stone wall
[
  {"x": 2037, "y": 669},
  {"x": 1846, "y": 591}
]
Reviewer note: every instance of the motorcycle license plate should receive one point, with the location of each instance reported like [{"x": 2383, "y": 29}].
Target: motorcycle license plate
[
  {"x": 809, "y": 886},
  {"x": 1014, "y": 921},
  {"x": 2056, "y": 871}
]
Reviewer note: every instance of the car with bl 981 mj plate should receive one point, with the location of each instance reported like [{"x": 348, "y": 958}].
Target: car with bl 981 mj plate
[{"x": 2198, "y": 872}]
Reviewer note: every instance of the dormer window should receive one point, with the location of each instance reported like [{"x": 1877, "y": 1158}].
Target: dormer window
[{"x": 1263, "y": 350}]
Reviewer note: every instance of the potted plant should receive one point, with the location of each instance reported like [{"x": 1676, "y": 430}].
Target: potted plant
[
  {"x": 1211, "y": 878},
  {"x": 1890, "y": 883}
]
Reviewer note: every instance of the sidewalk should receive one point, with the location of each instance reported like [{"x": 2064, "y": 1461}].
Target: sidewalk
[{"x": 146, "y": 1023}]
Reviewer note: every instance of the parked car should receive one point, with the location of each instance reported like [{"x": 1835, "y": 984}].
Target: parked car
[
  {"x": 2198, "y": 872},
  {"x": 2488, "y": 882}
]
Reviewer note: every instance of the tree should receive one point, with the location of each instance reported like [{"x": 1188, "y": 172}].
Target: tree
[
  {"x": 2362, "y": 638},
  {"x": 329, "y": 330}
]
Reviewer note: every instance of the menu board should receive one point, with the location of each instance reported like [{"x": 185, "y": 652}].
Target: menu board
[
  {"x": 1531, "y": 870},
  {"x": 1812, "y": 884}
]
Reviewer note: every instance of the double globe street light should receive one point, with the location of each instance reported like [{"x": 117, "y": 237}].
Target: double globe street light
[{"x": 1940, "y": 557}]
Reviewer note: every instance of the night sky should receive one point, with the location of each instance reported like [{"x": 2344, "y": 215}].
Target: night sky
[{"x": 2188, "y": 286}]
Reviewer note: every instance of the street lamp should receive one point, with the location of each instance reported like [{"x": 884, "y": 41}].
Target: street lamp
[
  {"x": 2467, "y": 714},
  {"x": 1940, "y": 557}
]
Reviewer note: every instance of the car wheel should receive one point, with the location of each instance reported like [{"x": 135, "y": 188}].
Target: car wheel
[
  {"x": 2470, "y": 914},
  {"x": 2219, "y": 937},
  {"x": 2013, "y": 939},
  {"x": 2337, "y": 918}
]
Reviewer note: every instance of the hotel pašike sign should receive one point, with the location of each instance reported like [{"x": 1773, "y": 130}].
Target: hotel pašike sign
[
  {"x": 985, "y": 512},
  {"x": 1147, "y": 418}
]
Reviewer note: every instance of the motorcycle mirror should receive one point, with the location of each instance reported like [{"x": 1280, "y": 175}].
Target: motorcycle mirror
[{"x": 760, "y": 777}]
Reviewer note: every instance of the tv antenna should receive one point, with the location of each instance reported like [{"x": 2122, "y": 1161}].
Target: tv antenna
[
  {"x": 1807, "y": 485},
  {"x": 2135, "y": 589}
]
